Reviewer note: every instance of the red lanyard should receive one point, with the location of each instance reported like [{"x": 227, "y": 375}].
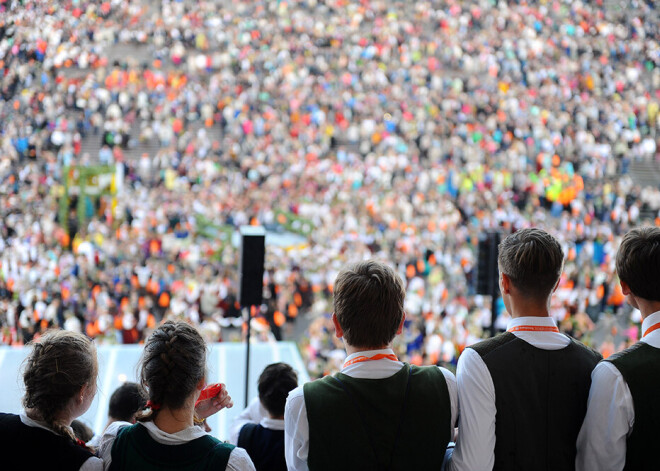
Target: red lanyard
[
  {"x": 380, "y": 356},
  {"x": 534, "y": 328},
  {"x": 651, "y": 329}
]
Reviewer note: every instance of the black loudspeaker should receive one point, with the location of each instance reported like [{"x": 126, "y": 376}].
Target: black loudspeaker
[
  {"x": 487, "y": 272},
  {"x": 251, "y": 269}
]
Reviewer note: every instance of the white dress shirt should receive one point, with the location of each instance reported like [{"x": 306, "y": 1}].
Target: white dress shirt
[
  {"x": 91, "y": 464},
  {"x": 475, "y": 447},
  {"x": 601, "y": 444},
  {"x": 254, "y": 413},
  {"x": 296, "y": 426},
  {"x": 239, "y": 460}
]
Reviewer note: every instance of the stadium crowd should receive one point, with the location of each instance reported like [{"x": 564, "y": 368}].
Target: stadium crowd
[{"x": 375, "y": 129}]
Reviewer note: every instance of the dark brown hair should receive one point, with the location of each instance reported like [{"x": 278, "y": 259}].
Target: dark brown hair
[
  {"x": 368, "y": 303},
  {"x": 126, "y": 401},
  {"x": 173, "y": 362},
  {"x": 275, "y": 382},
  {"x": 533, "y": 260},
  {"x": 638, "y": 262},
  {"x": 59, "y": 365}
]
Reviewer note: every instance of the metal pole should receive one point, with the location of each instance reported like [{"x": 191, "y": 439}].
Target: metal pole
[
  {"x": 248, "y": 317},
  {"x": 493, "y": 279},
  {"x": 493, "y": 314}
]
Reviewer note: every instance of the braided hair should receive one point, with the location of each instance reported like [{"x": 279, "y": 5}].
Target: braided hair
[
  {"x": 172, "y": 364},
  {"x": 59, "y": 365}
]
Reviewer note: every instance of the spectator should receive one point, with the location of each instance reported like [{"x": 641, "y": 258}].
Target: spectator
[
  {"x": 619, "y": 429},
  {"x": 523, "y": 394},
  {"x": 172, "y": 370},
  {"x": 60, "y": 384},
  {"x": 380, "y": 412},
  {"x": 82, "y": 431},
  {"x": 260, "y": 427},
  {"x": 401, "y": 131},
  {"x": 125, "y": 403}
]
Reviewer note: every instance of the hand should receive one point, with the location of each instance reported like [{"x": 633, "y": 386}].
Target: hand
[{"x": 208, "y": 407}]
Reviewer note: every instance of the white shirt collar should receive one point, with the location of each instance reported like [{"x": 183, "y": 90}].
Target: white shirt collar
[
  {"x": 650, "y": 321},
  {"x": 272, "y": 424},
  {"x": 531, "y": 320},
  {"x": 36, "y": 423},
  {"x": 183, "y": 436},
  {"x": 375, "y": 369},
  {"x": 369, "y": 354}
]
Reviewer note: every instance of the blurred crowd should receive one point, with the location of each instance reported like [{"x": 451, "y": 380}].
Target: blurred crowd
[{"x": 375, "y": 129}]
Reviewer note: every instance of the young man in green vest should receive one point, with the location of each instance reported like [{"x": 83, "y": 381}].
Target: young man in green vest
[
  {"x": 377, "y": 413},
  {"x": 620, "y": 429},
  {"x": 523, "y": 394}
]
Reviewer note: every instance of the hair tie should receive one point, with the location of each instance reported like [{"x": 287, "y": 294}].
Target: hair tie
[{"x": 153, "y": 406}]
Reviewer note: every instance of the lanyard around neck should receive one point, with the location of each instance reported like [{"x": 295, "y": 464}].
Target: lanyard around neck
[
  {"x": 362, "y": 358},
  {"x": 534, "y": 328},
  {"x": 651, "y": 329}
]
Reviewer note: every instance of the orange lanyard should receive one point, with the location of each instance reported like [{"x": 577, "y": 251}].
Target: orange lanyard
[
  {"x": 534, "y": 328},
  {"x": 651, "y": 329},
  {"x": 380, "y": 356}
]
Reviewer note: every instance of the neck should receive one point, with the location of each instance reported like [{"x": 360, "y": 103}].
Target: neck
[
  {"x": 63, "y": 418},
  {"x": 350, "y": 349},
  {"x": 175, "y": 420},
  {"x": 525, "y": 307},
  {"x": 647, "y": 307}
]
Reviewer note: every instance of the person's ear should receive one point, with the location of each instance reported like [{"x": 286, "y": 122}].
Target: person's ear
[
  {"x": 201, "y": 383},
  {"x": 625, "y": 289},
  {"x": 403, "y": 320},
  {"x": 505, "y": 283},
  {"x": 338, "y": 330},
  {"x": 85, "y": 390}
]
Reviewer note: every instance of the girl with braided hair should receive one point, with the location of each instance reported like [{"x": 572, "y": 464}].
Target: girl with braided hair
[
  {"x": 170, "y": 434},
  {"x": 60, "y": 384}
]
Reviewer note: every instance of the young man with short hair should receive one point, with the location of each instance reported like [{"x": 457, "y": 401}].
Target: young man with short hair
[
  {"x": 523, "y": 394},
  {"x": 259, "y": 429},
  {"x": 377, "y": 413},
  {"x": 620, "y": 429}
]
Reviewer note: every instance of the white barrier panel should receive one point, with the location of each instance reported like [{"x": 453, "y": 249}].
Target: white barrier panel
[{"x": 118, "y": 363}]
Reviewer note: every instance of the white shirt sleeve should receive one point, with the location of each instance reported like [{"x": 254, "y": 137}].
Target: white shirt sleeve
[
  {"x": 92, "y": 464},
  {"x": 296, "y": 431},
  {"x": 601, "y": 444},
  {"x": 450, "y": 379},
  {"x": 252, "y": 414},
  {"x": 107, "y": 439},
  {"x": 475, "y": 447},
  {"x": 239, "y": 460}
]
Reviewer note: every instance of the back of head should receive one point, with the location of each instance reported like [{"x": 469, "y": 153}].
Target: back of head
[
  {"x": 82, "y": 431},
  {"x": 368, "y": 303},
  {"x": 638, "y": 262},
  {"x": 125, "y": 402},
  {"x": 173, "y": 362},
  {"x": 533, "y": 261},
  {"x": 59, "y": 365},
  {"x": 274, "y": 385}
]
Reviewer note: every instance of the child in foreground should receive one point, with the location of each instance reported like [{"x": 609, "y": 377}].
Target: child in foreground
[{"x": 168, "y": 434}]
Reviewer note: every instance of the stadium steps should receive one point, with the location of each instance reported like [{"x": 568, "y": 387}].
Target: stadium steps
[{"x": 645, "y": 172}]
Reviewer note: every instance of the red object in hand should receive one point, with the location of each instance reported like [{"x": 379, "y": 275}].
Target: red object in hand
[{"x": 208, "y": 392}]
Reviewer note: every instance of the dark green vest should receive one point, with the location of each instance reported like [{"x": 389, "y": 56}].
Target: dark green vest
[
  {"x": 541, "y": 400},
  {"x": 640, "y": 367},
  {"x": 134, "y": 449},
  {"x": 365, "y": 424}
]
